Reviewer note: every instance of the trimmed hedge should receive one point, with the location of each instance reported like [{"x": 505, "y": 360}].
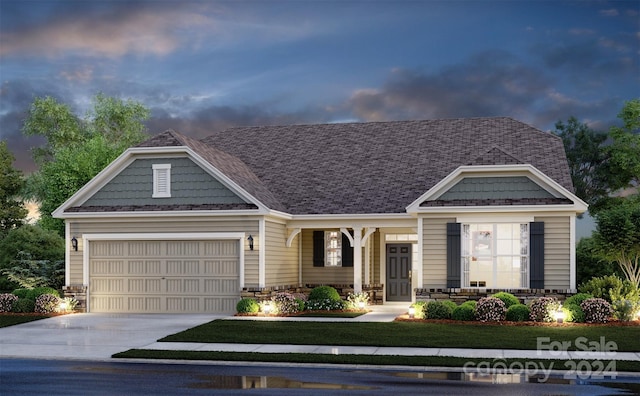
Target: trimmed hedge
[
  {"x": 247, "y": 305},
  {"x": 437, "y": 310},
  {"x": 507, "y": 298},
  {"x": 518, "y": 313},
  {"x": 324, "y": 293},
  {"x": 463, "y": 312}
]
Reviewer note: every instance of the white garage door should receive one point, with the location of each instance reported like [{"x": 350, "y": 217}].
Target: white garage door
[{"x": 164, "y": 276}]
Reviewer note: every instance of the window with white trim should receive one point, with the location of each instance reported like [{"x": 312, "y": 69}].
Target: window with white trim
[
  {"x": 495, "y": 256},
  {"x": 161, "y": 181},
  {"x": 333, "y": 246}
]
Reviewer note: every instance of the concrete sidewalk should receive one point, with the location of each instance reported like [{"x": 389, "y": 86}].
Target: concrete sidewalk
[{"x": 99, "y": 336}]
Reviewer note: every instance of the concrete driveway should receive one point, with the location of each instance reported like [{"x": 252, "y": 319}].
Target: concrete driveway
[{"x": 92, "y": 336}]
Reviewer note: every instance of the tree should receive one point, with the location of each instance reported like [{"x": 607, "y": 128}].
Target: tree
[
  {"x": 74, "y": 158},
  {"x": 601, "y": 163},
  {"x": 618, "y": 236},
  {"x": 586, "y": 159},
  {"x": 590, "y": 264},
  {"x": 12, "y": 210}
]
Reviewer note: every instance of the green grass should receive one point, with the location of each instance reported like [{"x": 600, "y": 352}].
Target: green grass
[
  {"x": 329, "y": 314},
  {"x": 10, "y": 320},
  {"x": 402, "y": 334},
  {"x": 375, "y": 360}
]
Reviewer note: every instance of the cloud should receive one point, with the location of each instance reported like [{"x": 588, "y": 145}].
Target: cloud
[
  {"x": 612, "y": 12},
  {"x": 493, "y": 83}
]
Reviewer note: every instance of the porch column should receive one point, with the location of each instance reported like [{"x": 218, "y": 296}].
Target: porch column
[{"x": 357, "y": 259}]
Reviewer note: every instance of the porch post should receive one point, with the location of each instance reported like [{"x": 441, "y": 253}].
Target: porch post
[{"x": 357, "y": 259}]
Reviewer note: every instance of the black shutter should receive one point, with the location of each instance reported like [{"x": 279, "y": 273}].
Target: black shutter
[
  {"x": 536, "y": 255},
  {"x": 454, "y": 255},
  {"x": 347, "y": 251},
  {"x": 318, "y": 248}
]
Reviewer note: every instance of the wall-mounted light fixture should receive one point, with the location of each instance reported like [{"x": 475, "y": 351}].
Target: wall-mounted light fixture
[
  {"x": 74, "y": 243},
  {"x": 250, "y": 239}
]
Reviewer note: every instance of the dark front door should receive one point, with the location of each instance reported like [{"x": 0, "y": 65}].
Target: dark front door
[{"x": 398, "y": 272}]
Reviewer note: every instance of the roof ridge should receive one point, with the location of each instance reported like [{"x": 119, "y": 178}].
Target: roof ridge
[{"x": 480, "y": 159}]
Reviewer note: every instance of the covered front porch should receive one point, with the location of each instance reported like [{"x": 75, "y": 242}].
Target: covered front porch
[{"x": 383, "y": 260}]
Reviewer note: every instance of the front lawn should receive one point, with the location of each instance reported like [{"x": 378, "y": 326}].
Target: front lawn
[
  {"x": 10, "y": 320},
  {"x": 404, "y": 334}
]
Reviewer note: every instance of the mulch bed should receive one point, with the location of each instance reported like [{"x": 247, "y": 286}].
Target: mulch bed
[{"x": 405, "y": 318}]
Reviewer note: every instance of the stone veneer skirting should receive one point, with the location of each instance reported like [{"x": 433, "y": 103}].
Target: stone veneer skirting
[
  {"x": 461, "y": 295},
  {"x": 79, "y": 292}
]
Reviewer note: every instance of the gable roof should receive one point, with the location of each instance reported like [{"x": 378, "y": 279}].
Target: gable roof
[{"x": 381, "y": 167}]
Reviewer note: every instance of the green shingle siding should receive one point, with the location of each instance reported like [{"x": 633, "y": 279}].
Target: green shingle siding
[
  {"x": 190, "y": 184},
  {"x": 511, "y": 187}
]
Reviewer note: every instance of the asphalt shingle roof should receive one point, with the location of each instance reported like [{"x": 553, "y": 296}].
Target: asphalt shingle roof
[{"x": 378, "y": 167}]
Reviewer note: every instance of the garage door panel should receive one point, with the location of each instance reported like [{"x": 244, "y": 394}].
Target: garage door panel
[{"x": 150, "y": 279}]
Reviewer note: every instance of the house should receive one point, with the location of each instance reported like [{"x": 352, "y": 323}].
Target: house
[{"x": 421, "y": 207}]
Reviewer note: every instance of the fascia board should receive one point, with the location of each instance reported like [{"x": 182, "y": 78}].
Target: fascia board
[
  {"x": 532, "y": 172},
  {"x": 130, "y": 155},
  {"x": 159, "y": 213},
  {"x": 498, "y": 208},
  {"x": 226, "y": 181}
]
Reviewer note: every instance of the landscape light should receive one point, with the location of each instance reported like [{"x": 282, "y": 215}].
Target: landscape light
[
  {"x": 560, "y": 316},
  {"x": 412, "y": 312}
]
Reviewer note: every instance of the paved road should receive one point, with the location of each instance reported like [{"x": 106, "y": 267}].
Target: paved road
[{"x": 50, "y": 377}]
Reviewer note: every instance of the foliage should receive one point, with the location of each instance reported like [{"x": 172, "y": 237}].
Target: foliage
[
  {"x": 39, "y": 243},
  {"x": 452, "y": 305},
  {"x": 603, "y": 163},
  {"x": 324, "y": 305},
  {"x": 507, "y": 298},
  {"x": 625, "y": 310},
  {"x": 571, "y": 306},
  {"x": 543, "y": 309},
  {"x": 518, "y": 313},
  {"x": 47, "y": 303},
  {"x": 470, "y": 303},
  {"x": 285, "y": 303},
  {"x": 586, "y": 156},
  {"x": 12, "y": 210},
  {"x": 35, "y": 273},
  {"x": 600, "y": 287},
  {"x": 618, "y": 236},
  {"x": 437, "y": 310},
  {"x": 355, "y": 299},
  {"x": 490, "y": 309},
  {"x": 6, "y": 301},
  {"x": 21, "y": 293},
  {"x": 419, "y": 307},
  {"x": 76, "y": 150},
  {"x": 589, "y": 262},
  {"x": 23, "y": 305},
  {"x": 36, "y": 292},
  {"x": 625, "y": 301},
  {"x": 596, "y": 310},
  {"x": 247, "y": 305},
  {"x": 324, "y": 293},
  {"x": 463, "y": 312}
]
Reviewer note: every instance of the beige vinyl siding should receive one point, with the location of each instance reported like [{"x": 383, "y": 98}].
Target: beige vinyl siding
[
  {"x": 434, "y": 252},
  {"x": 321, "y": 275},
  {"x": 281, "y": 261},
  {"x": 165, "y": 225},
  {"x": 557, "y": 246}
]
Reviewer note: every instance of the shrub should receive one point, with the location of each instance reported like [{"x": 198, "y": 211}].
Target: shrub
[
  {"x": 596, "y": 310},
  {"x": 600, "y": 287},
  {"x": 20, "y": 293},
  {"x": 23, "y": 305},
  {"x": 285, "y": 303},
  {"x": 471, "y": 303},
  {"x": 437, "y": 310},
  {"x": 624, "y": 310},
  {"x": 354, "y": 300},
  {"x": 47, "y": 303},
  {"x": 518, "y": 313},
  {"x": 452, "y": 305},
  {"x": 463, "y": 312},
  {"x": 36, "y": 292},
  {"x": 324, "y": 293},
  {"x": 507, "y": 298},
  {"x": 301, "y": 304},
  {"x": 324, "y": 305},
  {"x": 544, "y": 309},
  {"x": 68, "y": 304},
  {"x": 419, "y": 307},
  {"x": 577, "y": 299},
  {"x": 573, "y": 313},
  {"x": 6, "y": 301},
  {"x": 490, "y": 309},
  {"x": 247, "y": 305}
]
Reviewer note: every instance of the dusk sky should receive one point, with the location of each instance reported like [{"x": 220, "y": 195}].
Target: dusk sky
[{"x": 202, "y": 66}]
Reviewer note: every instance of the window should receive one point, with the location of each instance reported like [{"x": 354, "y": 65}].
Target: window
[
  {"x": 161, "y": 181},
  {"x": 333, "y": 246},
  {"x": 495, "y": 255}
]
